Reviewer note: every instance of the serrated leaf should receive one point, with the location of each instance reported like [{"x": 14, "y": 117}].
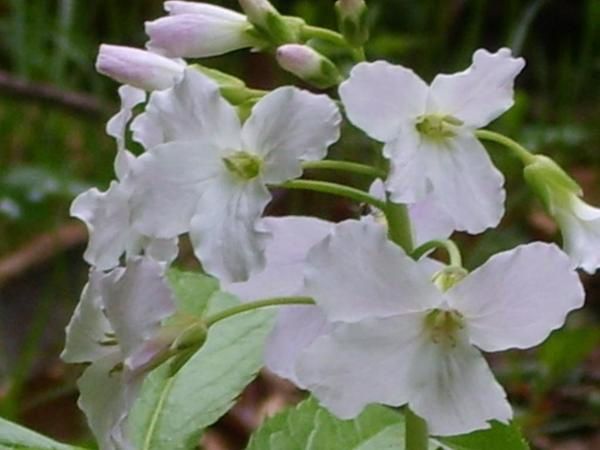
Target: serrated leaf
[
  {"x": 172, "y": 411},
  {"x": 310, "y": 427},
  {"x": 498, "y": 437},
  {"x": 16, "y": 437}
]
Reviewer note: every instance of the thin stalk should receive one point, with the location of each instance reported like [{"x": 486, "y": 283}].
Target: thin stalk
[
  {"x": 450, "y": 246},
  {"x": 251, "y": 306},
  {"x": 399, "y": 227},
  {"x": 312, "y": 32},
  {"x": 518, "y": 150},
  {"x": 336, "y": 189},
  {"x": 346, "y": 166}
]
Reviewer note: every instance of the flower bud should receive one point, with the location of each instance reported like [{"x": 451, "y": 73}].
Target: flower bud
[
  {"x": 198, "y": 31},
  {"x": 263, "y": 15},
  {"x": 138, "y": 68},
  {"x": 308, "y": 64},
  {"x": 352, "y": 21}
]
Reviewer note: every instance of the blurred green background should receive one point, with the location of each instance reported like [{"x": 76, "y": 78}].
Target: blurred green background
[{"x": 53, "y": 108}]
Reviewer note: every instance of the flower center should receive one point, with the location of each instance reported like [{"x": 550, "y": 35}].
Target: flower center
[
  {"x": 243, "y": 164},
  {"x": 444, "y": 326},
  {"x": 437, "y": 127}
]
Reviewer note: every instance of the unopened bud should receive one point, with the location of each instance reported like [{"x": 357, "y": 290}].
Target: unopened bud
[
  {"x": 352, "y": 21},
  {"x": 267, "y": 20},
  {"x": 138, "y": 68},
  {"x": 198, "y": 30},
  {"x": 308, "y": 64}
]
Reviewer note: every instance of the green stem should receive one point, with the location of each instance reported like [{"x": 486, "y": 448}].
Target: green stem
[
  {"x": 447, "y": 244},
  {"x": 334, "y": 188},
  {"x": 346, "y": 166},
  {"x": 521, "y": 152},
  {"x": 416, "y": 434},
  {"x": 399, "y": 227},
  {"x": 312, "y": 32},
  {"x": 250, "y": 306}
]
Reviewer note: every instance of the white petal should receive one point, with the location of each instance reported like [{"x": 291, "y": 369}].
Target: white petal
[
  {"x": 295, "y": 330},
  {"x": 518, "y": 297},
  {"x": 88, "y": 326},
  {"x": 169, "y": 180},
  {"x": 288, "y": 126},
  {"x": 174, "y": 7},
  {"x": 192, "y": 109},
  {"x": 137, "y": 300},
  {"x": 380, "y": 98},
  {"x": 580, "y": 227},
  {"x": 224, "y": 233},
  {"x": 465, "y": 182},
  {"x": 407, "y": 181},
  {"x": 453, "y": 389},
  {"x": 105, "y": 400},
  {"x": 356, "y": 272},
  {"x": 198, "y": 35},
  {"x": 362, "y": 363},
  {"x": 290, "y": 240},
  {"x": 429, "y": 220},
  {"x": 482, "y": 92},
  {"x": 106, "y": 215}
]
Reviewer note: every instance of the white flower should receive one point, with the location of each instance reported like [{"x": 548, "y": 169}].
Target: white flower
[
  {"x": 116, "y": 328},
  {"x": 428, "y": 132},
  {"x": 138, "y": 68},
  {"x": 404, "y": 341},
  {"x": 107, "y": 214},
  {"x": 198, "y": 30},
  {"x": 205, "y": 173},
  {"x": 580, "y": 228},
  {"x": 308, "y": 64}
]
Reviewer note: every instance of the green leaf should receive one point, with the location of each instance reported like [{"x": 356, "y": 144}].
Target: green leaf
[
  {"x": 192, "y": 290},
  {"x": 16, "y": 437},
  {"x": 172, "y": 411},
  {"x": 498, "y": 437},
  {"x": 311, "y": 427}
]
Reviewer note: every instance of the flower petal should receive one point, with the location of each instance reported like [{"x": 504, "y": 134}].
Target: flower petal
[
  {"x": 465, "y": 182},
  {"x": 362, "y": 363},
  {"x": 380, "y": 98},
  {"x": 296, "y": 329},
  {"x": 106, "y": 401},
  {"x": 291, "y": 239},
  {"x": 137, "y": 300},
  {"x": 175, "y": 7},
  {"x": 191, "y": 110},
  {"x": 481, "y": 93},
  {"x": 580, "y": 228},
  {"x": 224, "y": 232},
  {"x": 356, "y": 273},
  {"x": 169, "y": 179},
  {"x": 518, "y": 297},
  {"x": 288, "y": 126},
  {"x": 106, "y": 215},
  {"x": 407, "y": 181},
  {"x": 88, "y": 326},
  {"x": 453, "y": 389},
  {"x": 429, "y": 220}
]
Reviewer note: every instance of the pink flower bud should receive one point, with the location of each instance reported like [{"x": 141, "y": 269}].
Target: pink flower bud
[
  {"x": 138, "y": 68},
  {"x": 197, "y": 31},
  {"x": 308, "y": 64}
]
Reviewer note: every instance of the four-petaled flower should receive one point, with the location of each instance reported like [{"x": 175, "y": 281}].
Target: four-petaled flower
[
  {"x": 428, "y": 132},
  {"x": 205, "y": 173},
  {"x": 402, "y": 338}
]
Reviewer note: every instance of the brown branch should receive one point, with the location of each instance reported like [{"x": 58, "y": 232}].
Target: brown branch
[
  {"x": 74, "y": 102},
  {"x": 41, "y": 249}
]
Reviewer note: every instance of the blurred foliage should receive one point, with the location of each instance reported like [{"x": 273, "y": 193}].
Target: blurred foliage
[{"x": 47, "y": 155}]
